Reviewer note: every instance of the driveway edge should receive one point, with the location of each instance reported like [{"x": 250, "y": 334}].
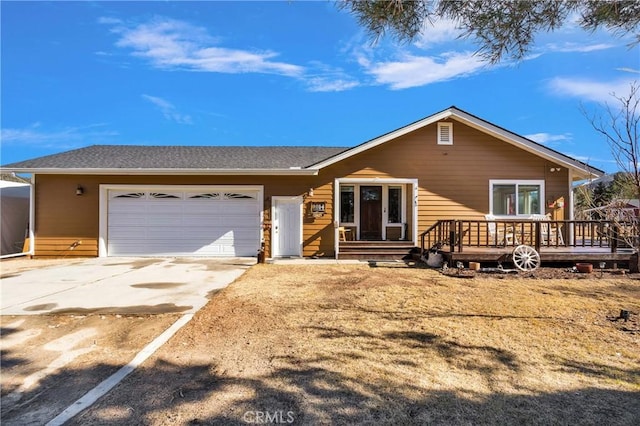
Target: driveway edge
[{"x": 106, "y": 385}]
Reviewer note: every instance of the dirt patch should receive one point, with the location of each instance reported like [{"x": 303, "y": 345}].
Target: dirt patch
[
  {"x": 347, "y": 344},
  {"x": 543, "y": 273},
  {"x": 157, "y": 286},
  {"x": 210, "y": 264},
  {"x": 9, "y": 276},
  {"x": 12, "y": 267},
  {"x": 48, "y": 362},
  {"x": 41, "y": 307},
  {"x": 137, "y": 264},
  {"x": 212, "y": 293},
  {"x": 162, "y": 308}
]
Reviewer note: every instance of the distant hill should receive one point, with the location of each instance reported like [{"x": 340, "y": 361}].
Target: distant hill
[{"x": 13, "y": 178}]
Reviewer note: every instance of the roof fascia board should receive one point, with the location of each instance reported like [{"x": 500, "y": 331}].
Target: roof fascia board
[{"x": 221, "y": 172}]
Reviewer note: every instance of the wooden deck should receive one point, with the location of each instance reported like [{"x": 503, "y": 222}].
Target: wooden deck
[
  {"x": 547, "y": 255},
  {"x": 471, "y": 241},
  {"x": 557, "y": 241}
]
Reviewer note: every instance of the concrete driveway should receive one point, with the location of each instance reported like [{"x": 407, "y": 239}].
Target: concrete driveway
[{"x": 119, "y": 286}]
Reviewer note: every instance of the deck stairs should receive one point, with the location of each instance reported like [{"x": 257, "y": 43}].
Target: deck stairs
[{"x": 376, "y": 250}]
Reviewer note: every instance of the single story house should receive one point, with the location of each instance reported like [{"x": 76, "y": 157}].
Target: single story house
[{"x": 292, "y": 201}]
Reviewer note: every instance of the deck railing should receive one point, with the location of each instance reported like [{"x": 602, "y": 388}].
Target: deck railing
[{"x": 455, "y": 235}]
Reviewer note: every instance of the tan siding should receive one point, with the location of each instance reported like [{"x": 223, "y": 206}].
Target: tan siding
[
  {"x": 63, "y": 217},
  {"x": 66, "y": 247},
  {"x": 453, "y": 179}
]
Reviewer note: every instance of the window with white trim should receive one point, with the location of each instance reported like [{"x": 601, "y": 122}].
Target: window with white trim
[
  {"x": 394, "y": 207},
  {"x": 347, "y": 203},
  {"x": 516, "y": 198},
  {"x": 445, "y": 133}
]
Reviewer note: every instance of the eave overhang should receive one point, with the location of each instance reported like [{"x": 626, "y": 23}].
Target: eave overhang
[{"x": 165, "y": 172}]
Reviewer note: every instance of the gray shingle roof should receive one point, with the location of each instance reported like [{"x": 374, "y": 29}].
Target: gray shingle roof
[{"x": 180, "y": 157}]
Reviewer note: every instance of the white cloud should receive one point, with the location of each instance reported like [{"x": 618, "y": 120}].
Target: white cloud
[
  {"x": 414, "y": 71},
  {"x": 438, "y": 31},
  {"x": 627, "y": 69},
  {"x": 67, "y": 137},
  {"x": 177, "y": 45},
  {"x": 548, "y": 138},
  {"x": 325, "y": 84},
  {"x": 325, "y": 78},
  {"x": 168, "y": 110},
  {"x": 592, "y": 90},
  {"x": 173, "y": 44},
  {"x": 568, "y": 47},
  {"x": 438, "y": 55}
]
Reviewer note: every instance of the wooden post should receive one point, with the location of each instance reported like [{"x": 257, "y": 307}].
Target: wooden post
[
  {"x": 452, "y": 236},
  {"x": 460, "y": 236},
  {"x": 538, "y": 235}
]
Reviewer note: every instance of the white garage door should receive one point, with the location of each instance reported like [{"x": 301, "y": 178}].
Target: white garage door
[{"x": 194, "y": 222}]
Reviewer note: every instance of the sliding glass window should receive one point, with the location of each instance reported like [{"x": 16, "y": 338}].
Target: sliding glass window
[{"x": 516, "y": 198}]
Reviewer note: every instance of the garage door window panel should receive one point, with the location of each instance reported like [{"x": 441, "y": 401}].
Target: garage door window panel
[
  {"x": 238, "y": 196},
  {"x": 206, "y": 196},
  {"x": 129, "y": 195}
]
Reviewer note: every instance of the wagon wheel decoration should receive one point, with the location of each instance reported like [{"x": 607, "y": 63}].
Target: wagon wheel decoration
[{"x": 526, "y": 258}]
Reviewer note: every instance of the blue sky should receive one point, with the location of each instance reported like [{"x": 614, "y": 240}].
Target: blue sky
[{"x": 76, "y": 74}]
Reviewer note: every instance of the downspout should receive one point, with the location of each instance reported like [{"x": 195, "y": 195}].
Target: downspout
[
  {"x": 103, "y": 208},
  {"x": 571, "y": 207},
  {"x": 32, "y": 216},
  {"x": 415, "y": 213}
]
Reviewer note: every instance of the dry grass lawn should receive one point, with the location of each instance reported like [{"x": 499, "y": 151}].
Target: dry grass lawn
[{"x": 346, "y": 344}]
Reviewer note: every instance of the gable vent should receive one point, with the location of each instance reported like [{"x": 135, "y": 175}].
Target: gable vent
[{"x": 445, "y": 133}]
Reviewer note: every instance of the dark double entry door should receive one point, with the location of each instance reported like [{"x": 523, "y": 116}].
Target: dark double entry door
[{"x": 371, "y": 213}]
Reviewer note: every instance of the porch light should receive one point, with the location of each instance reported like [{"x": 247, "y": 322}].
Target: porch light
[
  {"x": 79, "y": 190},
  {"x": 310, "y": 192}
]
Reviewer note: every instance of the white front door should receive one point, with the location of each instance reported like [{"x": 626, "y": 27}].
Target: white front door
[{"x": 287, "y": 226}]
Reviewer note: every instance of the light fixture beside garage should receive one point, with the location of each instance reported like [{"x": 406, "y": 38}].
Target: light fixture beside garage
[
  {"x": 79, "y": 190},
  {"x": 307, "y": 194}
]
